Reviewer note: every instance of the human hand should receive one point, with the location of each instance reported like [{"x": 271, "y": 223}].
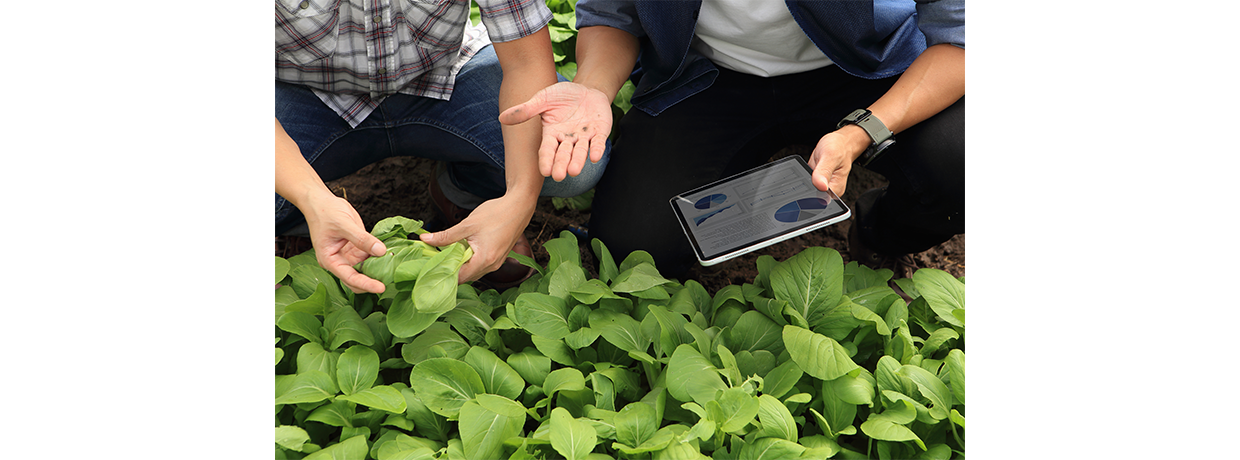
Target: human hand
[
  {"x": 576, "y": 122},
  {"x": 341, "y": 241},
  {"x": 833, "y": 157},
  {"x": 491, "y": 229}
]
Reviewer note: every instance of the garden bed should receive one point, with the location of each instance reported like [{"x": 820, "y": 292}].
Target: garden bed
[{"x": 397, "y": 187}]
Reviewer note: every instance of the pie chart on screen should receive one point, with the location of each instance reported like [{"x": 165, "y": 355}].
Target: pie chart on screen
[
  {"x": 800, "y": 210},
  {"x": 710, "y": 201}
]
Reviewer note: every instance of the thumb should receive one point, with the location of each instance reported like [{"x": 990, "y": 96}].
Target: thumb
[
  {"x": 440, "y": 238},
  {"x": 523, "y": 112},
  {"x": 367, "y": 242}
]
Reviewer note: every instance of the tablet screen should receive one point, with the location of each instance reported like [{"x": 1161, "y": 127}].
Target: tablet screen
[{"x": 755, "y": 209}]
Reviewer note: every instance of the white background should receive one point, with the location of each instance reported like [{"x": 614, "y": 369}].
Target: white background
[{"x": 137, "y": 230}]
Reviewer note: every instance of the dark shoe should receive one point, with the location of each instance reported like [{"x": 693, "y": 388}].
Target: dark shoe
[
  {"x": 511, "y": 272},
  {"x": 901, "y": 265}
]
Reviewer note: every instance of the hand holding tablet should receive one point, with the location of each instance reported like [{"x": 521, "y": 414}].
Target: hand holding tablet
[{"x": 755, "y": 209}]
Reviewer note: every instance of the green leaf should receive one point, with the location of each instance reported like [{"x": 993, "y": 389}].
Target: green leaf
[
  {"x": 858, "y": 277},
  {"x": 307, "y": 278},
  {"x": 639, "y": 278},
  {"x": 581, "y": 338},
  {"x": 944, "y": 293},
  {"x": 312, "y": 356},
  {"x": 636, "y": 423},
  {"x": 486, "y": 422},
  {"x": 857, "y": 389},
  {"x": 427, "y": 422},
  {"x": 498, "y": 377},
  {"x": 349, "y": 449},
  {"x": 346, "y": 325},
  {"x": 357, "y": 369},
  {"x": 937, "y": 339},
  {"x": 541, "y": 314},
  {"x": 565, "y": 278},
  {"x": 338, "y": 414},
  {"x": 396, "y": 226},
  {"x": 932, "y": 388},
  {"x": 403, "y": 318},
  {"x": 592, "y": 291},
  {"x": 865, "y": 314},
  {"x": 440, "y": 335},
  {"x": 291, "y": 437},
  {"x": 563, "y": 249},
  {"x": 776, "y": 419},
  {"x": 811, "y": 282},
  {"x": 818, "y": 355},
  {"x": 435, "y": 290},
  {"x": 621, "y": 330},
  {"x": 955, "y": 372},
  {"x": 282, "y": 267},
  {"x": 306, "y": 387},
  {"x": 555, "y": 349},
  {"x": 671, "y": 325},
  {"x": 532, "y": 366},
  {"x": 572, "y": 438},
  {"x": 607, "y": 270},
  {"x": 567, "y": 378},
  {"x": 692, "y": 377},
  {"x": 444, "y": 384},
  {"x": 755, "y": 331},
  {"x": 771, "y": 449},
  {"x": 889, "y": 425},
  {"x": 733, "y": 409},
  {"x": 780, "y": 380},
  {"x": 302, "y": 324},
  {"x": 381, "y": 397}
]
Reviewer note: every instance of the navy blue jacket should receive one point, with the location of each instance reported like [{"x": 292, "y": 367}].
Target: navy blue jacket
[{"x": 868, "y": 39}]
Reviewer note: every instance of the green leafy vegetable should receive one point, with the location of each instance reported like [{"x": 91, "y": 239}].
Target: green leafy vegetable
[{"x": 814, "y": 359}]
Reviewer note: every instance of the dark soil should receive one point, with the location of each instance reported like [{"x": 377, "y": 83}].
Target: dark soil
[{"x": 398, "y": 186}]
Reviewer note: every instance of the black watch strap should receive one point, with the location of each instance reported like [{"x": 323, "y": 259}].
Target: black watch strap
[{"x": 880, "y": 136}]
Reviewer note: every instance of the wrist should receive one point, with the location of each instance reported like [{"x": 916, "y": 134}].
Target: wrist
[
  {"x": 312, "y": 200},
  {"x": 855, "y": 140},
  {"x": 879, "y": 137}
]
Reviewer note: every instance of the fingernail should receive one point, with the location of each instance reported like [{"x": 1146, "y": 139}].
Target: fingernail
[{"x": 378, "y": 249}]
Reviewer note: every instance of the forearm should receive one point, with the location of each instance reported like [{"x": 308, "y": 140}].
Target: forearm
[
  {"x": 296, "y": 180},
  {"x": 605, "y": 58},
  {"x": 933, "y": 82},
  {"x": 528, "y": 68}
]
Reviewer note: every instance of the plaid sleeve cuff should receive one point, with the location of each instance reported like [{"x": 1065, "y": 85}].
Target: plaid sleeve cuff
[{"x": 508, "y": 20}]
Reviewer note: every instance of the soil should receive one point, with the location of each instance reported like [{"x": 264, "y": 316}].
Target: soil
[{"x": 397, "y": 186}]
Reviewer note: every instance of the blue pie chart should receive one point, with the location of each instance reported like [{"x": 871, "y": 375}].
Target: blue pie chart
[
  {"x": 710, "y": 201},
  {"x": 800, "y": 210}
]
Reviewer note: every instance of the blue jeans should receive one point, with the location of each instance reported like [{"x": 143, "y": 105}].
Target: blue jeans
[{"x": 463, "y": 132}]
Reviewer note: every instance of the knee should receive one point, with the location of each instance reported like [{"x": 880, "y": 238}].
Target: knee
[{"x": 581, "y": 183}]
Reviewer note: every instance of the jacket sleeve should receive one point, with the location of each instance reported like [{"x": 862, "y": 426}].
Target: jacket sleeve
[
  {"x": 942, "y": 21},
  {"x": 619, "y": 14}
]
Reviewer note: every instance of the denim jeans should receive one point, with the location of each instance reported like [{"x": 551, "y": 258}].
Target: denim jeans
[{"x": 464, "y": 132}]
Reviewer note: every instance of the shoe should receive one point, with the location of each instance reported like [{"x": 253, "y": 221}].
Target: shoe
[
  {"x": 512, "y": 272},
  {"x": 901, "y": 265}
]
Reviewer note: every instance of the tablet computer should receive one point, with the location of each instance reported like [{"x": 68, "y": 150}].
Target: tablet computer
[{"x": 755, "y": 209}]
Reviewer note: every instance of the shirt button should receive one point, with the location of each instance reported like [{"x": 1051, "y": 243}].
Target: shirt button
[
  {"x": 382, "y": 71},
  {"x": 304, "y": 4},
  {"x": 378, "y": 18}
]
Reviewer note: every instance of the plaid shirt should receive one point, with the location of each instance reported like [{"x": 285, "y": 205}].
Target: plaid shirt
[{"x": 354, "y": 53}]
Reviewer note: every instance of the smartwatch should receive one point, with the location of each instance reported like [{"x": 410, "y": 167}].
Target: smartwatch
[{"x": 880, "y": 136}]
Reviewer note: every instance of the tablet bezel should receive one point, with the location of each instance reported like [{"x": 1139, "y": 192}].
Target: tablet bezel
[{"x": 756, "y": 244}]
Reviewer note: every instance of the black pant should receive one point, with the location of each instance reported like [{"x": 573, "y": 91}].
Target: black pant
[{"x": 738, "y": 123}]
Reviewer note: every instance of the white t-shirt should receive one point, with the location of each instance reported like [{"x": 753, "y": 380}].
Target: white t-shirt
[{"x": 757, "y": 37}]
